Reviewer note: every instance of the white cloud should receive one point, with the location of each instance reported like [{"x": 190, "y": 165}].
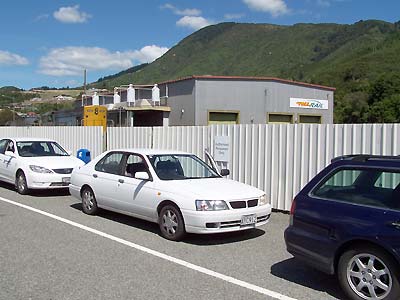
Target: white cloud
[
  {"x": 274, "y": 7},
  {"x": 193, "y": 22},
  {"x": 71, "y": 61},
  {"x": 8, "y": 58},
  {"x": 182, "y": 12},
  {"x": 148, "y": 53},
  {"x": 71, "y": 14},
  {"x": 233, "y": 16},
  {"x": 72, "y": 82}
]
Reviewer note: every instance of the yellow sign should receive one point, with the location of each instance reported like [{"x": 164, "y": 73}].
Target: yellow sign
[{"x": 95, "y": 115}]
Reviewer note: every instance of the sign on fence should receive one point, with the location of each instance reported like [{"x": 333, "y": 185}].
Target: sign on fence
[{"x": 222, "y": 147}]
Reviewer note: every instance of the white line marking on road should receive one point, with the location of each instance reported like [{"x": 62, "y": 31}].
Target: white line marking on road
[{"x": 157, "y": 254}]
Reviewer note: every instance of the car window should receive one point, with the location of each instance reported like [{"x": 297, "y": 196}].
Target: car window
[
  {"x": 111, "y": 163},
  {"x": 10, "y": 146},
  {"x": 3, "y": 145},
  {"x": 388, "y": 180},
  {"x": 40, "y": 148},
  {"x": 180, "y": 167},
  {"x": 371, "y": 187},
  {"x": 134, "y": 163}
]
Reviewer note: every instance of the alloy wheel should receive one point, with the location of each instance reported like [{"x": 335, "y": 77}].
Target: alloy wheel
[
  {"x": 88, "y": 199},
  {"x": 20, "y": 183},
  {"x": 369, "y": 277},
  {"x": 170, "y": 222}
]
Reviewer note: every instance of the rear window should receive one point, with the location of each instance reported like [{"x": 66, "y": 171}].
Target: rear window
[{"x": 370, "y": 187}]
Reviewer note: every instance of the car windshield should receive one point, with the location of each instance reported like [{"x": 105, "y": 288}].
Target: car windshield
[
  {"x": 181, "y": 167},
  {"x": 40, "y": 148}
]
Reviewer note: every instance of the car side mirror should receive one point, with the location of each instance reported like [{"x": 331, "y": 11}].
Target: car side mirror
[
  {"x": 224, "y": 172},
  {"x": 9, "y": 153},
  {"x": 142, "y": 176}
]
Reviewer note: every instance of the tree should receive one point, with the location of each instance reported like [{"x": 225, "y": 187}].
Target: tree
[
  {"x": 385, "y": 111},
  {"x": 353, "y": 108},
  {"x": 7, "y": 116},
  {"x": 384, "y": 87}
]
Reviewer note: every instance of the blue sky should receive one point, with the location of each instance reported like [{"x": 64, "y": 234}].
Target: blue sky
[{"x": 50, "y": 42}]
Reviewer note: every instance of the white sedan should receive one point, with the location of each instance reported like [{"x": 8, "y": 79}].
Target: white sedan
[
  {"x": 32, "y": 163},
  {"x": 177, "y": 190}
]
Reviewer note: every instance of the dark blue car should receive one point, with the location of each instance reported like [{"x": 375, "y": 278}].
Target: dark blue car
[{"x": 346, "y": 221}]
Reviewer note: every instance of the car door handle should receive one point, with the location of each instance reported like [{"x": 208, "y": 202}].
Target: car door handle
[
  {"x": 95, "y": 175},
  {"x": 121, "y": 181},
  {"x": 395, "y": 224}
]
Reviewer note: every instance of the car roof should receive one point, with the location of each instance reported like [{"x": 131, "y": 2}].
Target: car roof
[
  {"x": 368, "y": 160},
  {"x": 29, "y": 139},
  {"x": 148, "y": 151}
]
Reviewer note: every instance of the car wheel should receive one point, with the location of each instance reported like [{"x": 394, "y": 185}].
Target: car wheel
[
  {"x": 89, "y": 203},
  {"x": 21, "y": 184},
  {"x": 171, "y": 223},
  {"x": 368, "y": 273}
]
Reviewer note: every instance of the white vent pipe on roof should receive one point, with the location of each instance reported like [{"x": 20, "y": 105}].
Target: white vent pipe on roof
[
  {"x": 130, "y": 94},
  {"x": 117, "y": 98},
  {"x": 95, "y": 99},
  {"x": 155, "y": 94}
]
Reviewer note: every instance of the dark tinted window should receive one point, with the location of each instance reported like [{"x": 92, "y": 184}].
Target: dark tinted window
[
  {"x": 10, "y": 146},
  {"x": 3, "y": 144},
  {"x": 371, "y": 187},
  {"x": 111, "y": 163}
]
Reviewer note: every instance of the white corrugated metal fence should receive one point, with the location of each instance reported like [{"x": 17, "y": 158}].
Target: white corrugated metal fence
[
  {"x": 279, "y": 159},
  {"x": 72, "y": 138}
]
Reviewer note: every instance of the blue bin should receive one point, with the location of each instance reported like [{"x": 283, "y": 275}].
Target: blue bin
[{"x": 83, "y": 155}]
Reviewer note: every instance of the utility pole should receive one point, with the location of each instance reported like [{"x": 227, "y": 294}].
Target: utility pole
[{"x": 84, "y": 81}]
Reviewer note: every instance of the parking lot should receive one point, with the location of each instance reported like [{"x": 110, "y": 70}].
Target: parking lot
[{"x": 51, "y": 250}]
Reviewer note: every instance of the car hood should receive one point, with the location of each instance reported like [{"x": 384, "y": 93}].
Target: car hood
[
  {"x": 54, "y": 162},
  {"x": 213, "y": 189}
]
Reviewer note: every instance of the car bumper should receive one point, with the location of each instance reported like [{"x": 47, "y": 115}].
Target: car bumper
[
  {"x": 298, "y": 245},
  {"x": 204, "y": 222},
  {"x": 75, "y": 191},
  {"x": 47, "y": 181}
]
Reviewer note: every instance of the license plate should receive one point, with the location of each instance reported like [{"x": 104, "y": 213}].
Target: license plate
[
  {"x": 248, "y": 220},
  {"x": 66, "y": 179}
]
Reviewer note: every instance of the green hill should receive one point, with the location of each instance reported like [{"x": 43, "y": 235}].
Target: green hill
[
  {"x": 12, "y": 94},
  {"x": 360, "y": 60}
]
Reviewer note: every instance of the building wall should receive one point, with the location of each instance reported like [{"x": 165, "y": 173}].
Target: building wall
[
  {"x": 254, "y": 99},
  {"x": 181, "y": 101}
]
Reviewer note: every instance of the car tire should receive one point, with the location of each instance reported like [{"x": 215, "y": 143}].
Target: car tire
[
  {"x": 171, "y": 223},
  {"x": 89, "y": 203},
  {"x": 21, "y": 184},
  {"x": 363, "y": 271}
]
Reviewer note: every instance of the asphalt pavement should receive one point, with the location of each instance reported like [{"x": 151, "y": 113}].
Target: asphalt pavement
[{"x": 49, "y": 249}]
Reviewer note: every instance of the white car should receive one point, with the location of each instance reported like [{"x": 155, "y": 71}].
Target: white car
[
  {"x": 32, "y": 163},
  {"x": 177, "y": 190}
]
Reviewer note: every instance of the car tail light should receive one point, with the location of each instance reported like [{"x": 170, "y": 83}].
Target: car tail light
[
  {"x": 292, "y": 211},
  {"x": 293, "y": 207}
]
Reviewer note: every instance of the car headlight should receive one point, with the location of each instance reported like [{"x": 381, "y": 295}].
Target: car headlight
[
  {"x": 39, "y": 169},
  {"x": 211, "y": 205},
  {"x": 263, "y": 200}
]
